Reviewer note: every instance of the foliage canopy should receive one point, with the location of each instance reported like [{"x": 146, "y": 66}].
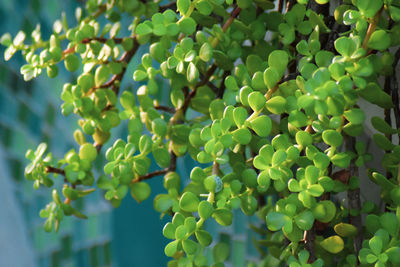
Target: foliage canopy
[{"x": 266, "y": 94}]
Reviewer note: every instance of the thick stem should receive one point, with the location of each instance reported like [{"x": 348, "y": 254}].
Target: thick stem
[
  {"x": 280, "y": 6},
  {"x": 271, "y": 91},
  {"x": 319, "y": 9},
  {"x": 215, "y": 168},
  {"x": 290, "y": 4},
  {"x": 395, "y": 90},
  {"x": 309, "y": 243},
  {"x": 353, "y": 196},
  {"x": 387, "y": 111}
]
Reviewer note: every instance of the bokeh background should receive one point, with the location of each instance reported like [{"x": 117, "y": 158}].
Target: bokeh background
[
  {"x": 30, "y": 114},
  {"x": 130, "y": 235}
]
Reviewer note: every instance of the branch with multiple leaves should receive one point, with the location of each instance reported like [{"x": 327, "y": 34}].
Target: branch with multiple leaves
[{"x": 266, "y": 94}]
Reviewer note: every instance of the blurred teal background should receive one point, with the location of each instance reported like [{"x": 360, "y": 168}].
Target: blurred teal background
[
  {"x": 130, "y": 235},
  {"x": 30, "y": 114}
]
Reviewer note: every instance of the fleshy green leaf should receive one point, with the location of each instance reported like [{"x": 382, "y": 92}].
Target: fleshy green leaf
[
  {"x": 369, "y": 8},
  {"x": 223, "y": 216},
  {"x": 333, "y": 244},
  {"x": 189, "y": 202},
  {"x": 380, "y": 40}
]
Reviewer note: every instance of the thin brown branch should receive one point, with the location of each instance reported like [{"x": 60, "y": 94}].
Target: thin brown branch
[
  {"x": 213, "y": 87},
  {"x": 150, "y": 175},
  {"x": 98, "y": 147},
  {"x": 271, "y": 91},
  {"x": 126, "y": 58},
  {"x": 101, "y": 40},
  {"x": 68, "y": 51},
  {"x": 172, "y": 167},
  {"x": 88, "y": 40},
  {"x": 165, "y": 108},
  {"x": 233, "y": 15},
  {"x": 192, "y": 94},
  {"x": 207, "y": 76},
  {"x": 371, "y": 28},
  {"x": 50, "y": 169}
]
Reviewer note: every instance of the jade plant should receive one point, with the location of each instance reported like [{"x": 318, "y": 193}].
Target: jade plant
[{"x": 269, "y": 98}]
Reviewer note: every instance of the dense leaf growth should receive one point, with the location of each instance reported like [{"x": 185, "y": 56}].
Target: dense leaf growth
[{"x": 265, "y": 93}]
